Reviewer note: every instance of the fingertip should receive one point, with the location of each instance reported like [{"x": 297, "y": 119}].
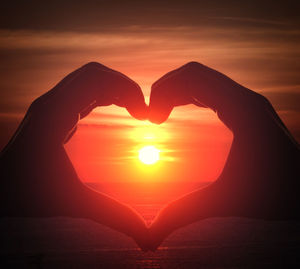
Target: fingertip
[
  {"x": 159, "y": 115},
  {"x": 139, "y": 111},
  {"x": 132, "y": 98},
  {"x": 157, "y": 120}
]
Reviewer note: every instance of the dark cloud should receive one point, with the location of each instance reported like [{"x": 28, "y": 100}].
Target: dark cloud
[
  {"x": 254, "y": 42},
  {"x": 100, "y": 15}
]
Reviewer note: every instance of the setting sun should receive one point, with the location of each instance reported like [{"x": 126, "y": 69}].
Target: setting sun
[{"x": 149, "y": 155}]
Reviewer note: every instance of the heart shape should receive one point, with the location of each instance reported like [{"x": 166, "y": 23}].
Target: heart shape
[
  {"x": 197, "y": 84},
  {"x": 263, "y": 156}
]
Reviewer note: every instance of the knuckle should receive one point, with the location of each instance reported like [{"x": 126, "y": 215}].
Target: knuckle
[
  {"x": 155, "y": 88},
  {"x": 36, "y": 105},
  {"x": 92, "y": 69},
  {"x": 260, "y": 100},
  {"x": 193, "y": 65},
  {"x": 128, "y": 83},
  {"x": 93, "y": 66},
  {"x": 160, "y": 84},
  {"x": 263, "y": 100}
]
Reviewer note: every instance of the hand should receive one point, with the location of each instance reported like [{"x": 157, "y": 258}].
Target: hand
[
  {"x": 37, "y": 177},
  {"x": 261, "y": 176}
]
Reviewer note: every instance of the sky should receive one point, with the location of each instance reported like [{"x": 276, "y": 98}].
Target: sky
[{"x": 256, "y": 43}]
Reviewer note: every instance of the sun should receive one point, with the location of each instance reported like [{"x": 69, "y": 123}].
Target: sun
[{"x": 149, "y": 155}]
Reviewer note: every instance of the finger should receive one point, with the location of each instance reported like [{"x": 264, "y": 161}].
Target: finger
[
  {"x": 166, "y": 93},
  {"x": 161, "y": 104},
  {"x": 42, "y": 100},
  {"x": 83, "y": 90},
  {"x": 77, "y": 95},
  {"x": 97, "y": 83},
  {"x": 130, "y": 96},
  {"x": 66, "y": 80},
  {"x": 193, "y": 83},
  {"x": 170, "y": 74}
]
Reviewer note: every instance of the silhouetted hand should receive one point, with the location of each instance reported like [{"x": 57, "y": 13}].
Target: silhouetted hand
[
  {"x": 37, "y": 177},
  {"x": 261, "y": 176}
]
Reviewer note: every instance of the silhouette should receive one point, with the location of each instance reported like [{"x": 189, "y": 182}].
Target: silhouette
[
  {"x": 261, "y": 176},
  {"x": 37, "y": 177}
]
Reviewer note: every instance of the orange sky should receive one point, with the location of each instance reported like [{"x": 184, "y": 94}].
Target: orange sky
[{"x": 259, "y": 53}]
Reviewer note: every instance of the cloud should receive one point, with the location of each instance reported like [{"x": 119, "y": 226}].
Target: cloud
[
  {"x": 262, "y": 56},
  {"x": 92, "y": 15}
]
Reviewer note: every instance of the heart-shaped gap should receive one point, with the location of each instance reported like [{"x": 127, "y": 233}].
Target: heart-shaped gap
[{"x": 193, "y": 146}]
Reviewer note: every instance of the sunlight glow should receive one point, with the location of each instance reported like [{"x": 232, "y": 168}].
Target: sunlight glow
[{"x": 149, "y": 155}]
